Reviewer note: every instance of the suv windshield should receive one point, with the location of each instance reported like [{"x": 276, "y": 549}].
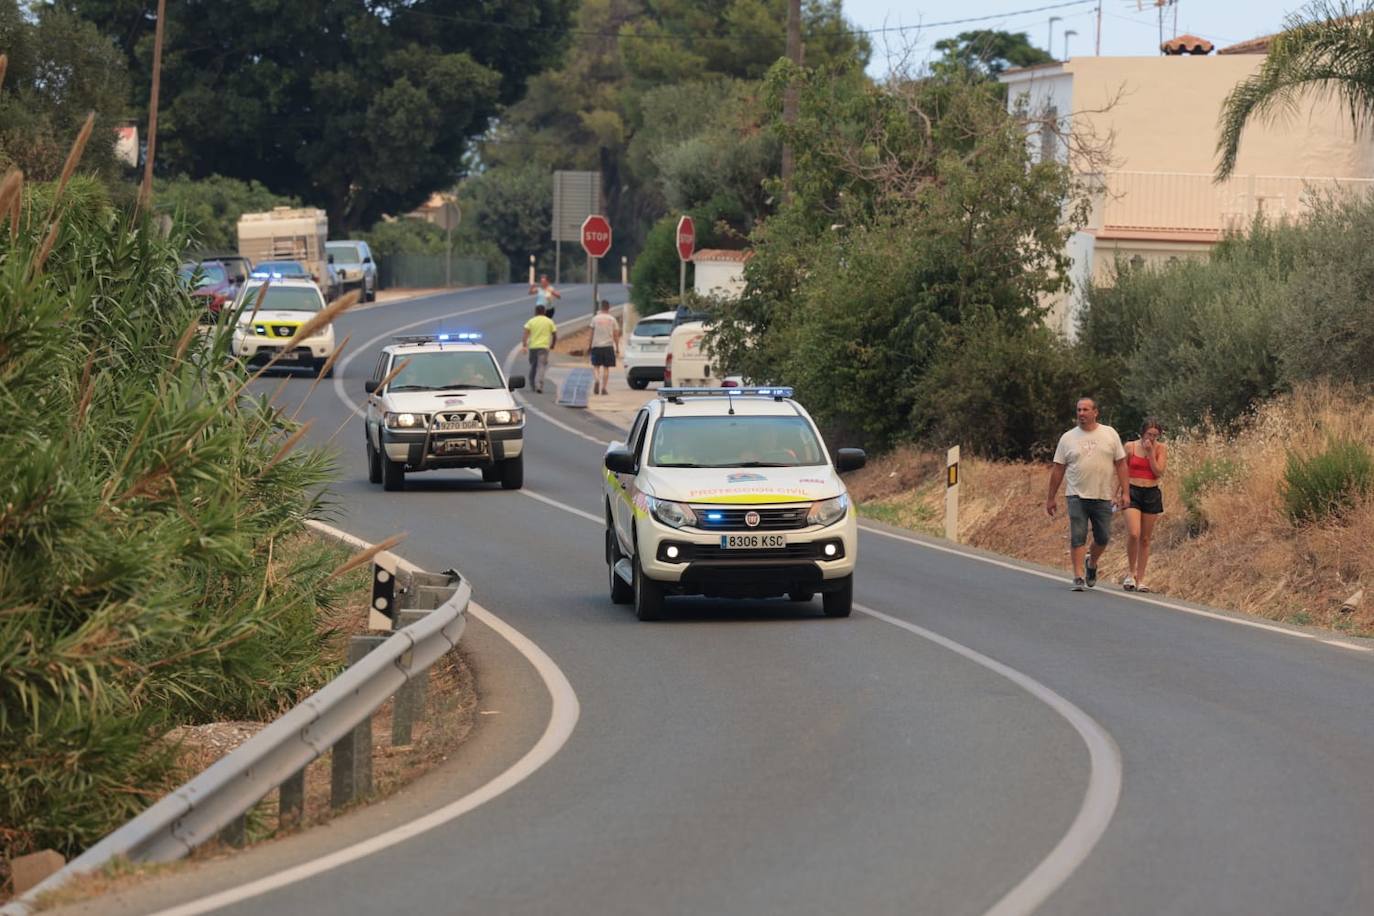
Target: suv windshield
[
  {"x": 344, "y": 252},
  {"x": 658, "y": 327},
  {"x": 735, "y": 442},
  {"x": 282, "y": 299},
  {"x": 442, "y": 371}
]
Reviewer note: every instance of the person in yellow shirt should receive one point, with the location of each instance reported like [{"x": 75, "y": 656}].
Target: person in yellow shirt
[{"x": 540, "y": 336}]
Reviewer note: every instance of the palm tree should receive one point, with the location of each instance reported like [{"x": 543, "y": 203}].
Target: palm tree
[{"x": 1326, "y": 51}]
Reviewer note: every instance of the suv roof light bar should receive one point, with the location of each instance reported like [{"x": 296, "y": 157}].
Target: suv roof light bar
[
  {"x": 460, "y": 337},
  {"x": 677, "y": 394}
]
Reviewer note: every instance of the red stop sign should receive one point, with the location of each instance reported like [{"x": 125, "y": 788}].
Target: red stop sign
[
  {"x": 596, "y": 235},
  {"x": 686, "y": 238}
]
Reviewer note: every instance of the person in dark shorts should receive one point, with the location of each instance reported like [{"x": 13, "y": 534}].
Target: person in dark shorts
[
  {"x": 1091, "y": 457},
  {"x": 605, "y": 347},
  {"x": 1146, "y": 459}
]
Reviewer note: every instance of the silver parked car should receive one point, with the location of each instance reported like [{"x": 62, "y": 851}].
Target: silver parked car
[{"x": 355, "y": 266}]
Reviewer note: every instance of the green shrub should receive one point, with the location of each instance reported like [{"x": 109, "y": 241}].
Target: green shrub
[
  {"x": 142, "y": 524},
  {"x": 1325, "y": 485},
  {"x": 1211, "y": 473}
]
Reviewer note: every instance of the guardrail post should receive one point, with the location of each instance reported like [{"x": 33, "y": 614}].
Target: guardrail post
[
  {"x": 352, "y": 757},
  {"x": 291, "y": 800},
  {"x": 235, "y": 832},
  {"x": 410, "y": 699}
]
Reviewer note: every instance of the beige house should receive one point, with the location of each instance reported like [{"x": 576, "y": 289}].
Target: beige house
[
  {"x": 1158, "y": 199},
  {"x": 719, "y": 272}
]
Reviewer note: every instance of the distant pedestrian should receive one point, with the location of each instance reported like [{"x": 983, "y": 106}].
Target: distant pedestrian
[
  {"x": 1146, "y": 459},
  {"x": 1093, "y": 459},
  {"x": 605, "y": 347},
  {"x": 544, "y": 293},
  {"x": 539, "y": 337}
]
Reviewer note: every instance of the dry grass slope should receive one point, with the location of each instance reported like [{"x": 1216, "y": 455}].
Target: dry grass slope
[{"x": 1249, "y": 556}]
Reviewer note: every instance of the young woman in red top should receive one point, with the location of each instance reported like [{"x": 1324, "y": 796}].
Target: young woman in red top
[{"x": 1146, "y": 459}]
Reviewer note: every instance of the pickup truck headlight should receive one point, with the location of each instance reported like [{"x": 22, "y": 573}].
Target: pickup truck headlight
[
  {"x": 505, "y": 417},
  {"x": 405, "y": 420},
  {"x": 828, "y": 511},
  {"x": 674, "y": 515}
]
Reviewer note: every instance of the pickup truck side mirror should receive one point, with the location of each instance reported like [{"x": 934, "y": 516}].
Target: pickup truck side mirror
[
  {"x": 850, "y": 459},
  {"x": 367, "y": 259},
  {"x": 620, "y": 461},
  {"x": 515, "y": 381},
  {"x": 370, "y": 386}
]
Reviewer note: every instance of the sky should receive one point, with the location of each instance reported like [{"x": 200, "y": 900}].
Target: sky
[{"x": 1126, "y": 29}]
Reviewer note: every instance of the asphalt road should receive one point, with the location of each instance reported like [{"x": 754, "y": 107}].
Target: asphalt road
[{"x": 978, "y": 739}]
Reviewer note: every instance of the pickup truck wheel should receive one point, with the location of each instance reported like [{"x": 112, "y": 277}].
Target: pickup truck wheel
[
  {"x": 319, "y": 367},
  {"x": 801, "y": 595},
  {"x": 621, "y": 591},
  {"x": 648, "y": 595},
  {"x": 839, "y": 603},
  {"x": 393, "y": 474},
  {"x": 369, "y": 293},
  {"x": 513, "y": 473},
  {"x": 374, "y": 464},
  {"x": 639, "y": 384},
  {"x": 491, "y": 474}
]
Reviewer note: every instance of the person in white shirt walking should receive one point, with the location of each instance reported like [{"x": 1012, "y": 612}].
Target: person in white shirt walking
[
  {"x": 1093, "y": 459},
  {"x": 605, "y": 347}
]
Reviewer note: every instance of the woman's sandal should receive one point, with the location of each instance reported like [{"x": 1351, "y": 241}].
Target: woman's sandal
[{"x": 1142, "y": 588}]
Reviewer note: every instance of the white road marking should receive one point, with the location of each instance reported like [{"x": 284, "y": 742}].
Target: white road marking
[
  {"x": 562, "y": 720},
  {"x": 1099, "y": 800},
  {"x": 1104, "y": 777},
  {"x": 1128, "y": 596}
]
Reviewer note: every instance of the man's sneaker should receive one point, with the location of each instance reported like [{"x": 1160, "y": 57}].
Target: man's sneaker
[
  {"x": 1092, "y": 573},
  {"x": 1078, "y": 583},
  {"x": 1128, "y": 584}
]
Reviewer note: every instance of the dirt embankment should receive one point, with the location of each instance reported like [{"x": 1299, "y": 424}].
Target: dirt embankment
[{"x": 1237, "y": 549}]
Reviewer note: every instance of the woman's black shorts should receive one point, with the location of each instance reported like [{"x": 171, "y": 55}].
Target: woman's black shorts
[{"x": 1147, "y": 499}]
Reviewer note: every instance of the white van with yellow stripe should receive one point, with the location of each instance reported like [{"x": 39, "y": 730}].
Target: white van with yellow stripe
[{"x": 728, "y": 492}]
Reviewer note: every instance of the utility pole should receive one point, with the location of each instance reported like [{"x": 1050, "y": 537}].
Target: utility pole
[
  {"x": 1097, "y": 48},
  {"x": 789, "y": 99},
  {"x": 145, "y": 195}
]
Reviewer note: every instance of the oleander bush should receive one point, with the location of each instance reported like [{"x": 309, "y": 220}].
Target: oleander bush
[
  {"x": 1327, "y": 484},
  {"x": 147, "y": 501}
]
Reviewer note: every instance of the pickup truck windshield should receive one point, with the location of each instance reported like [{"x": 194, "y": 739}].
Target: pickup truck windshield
[
  {"x": 344, "y": 253},
  {"x": 735, "y": 442}
]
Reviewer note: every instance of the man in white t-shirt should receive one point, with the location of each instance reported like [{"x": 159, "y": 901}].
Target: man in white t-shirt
[
  {"x": 605, "y": 346},
  {"x": 1093, "y": 459}
]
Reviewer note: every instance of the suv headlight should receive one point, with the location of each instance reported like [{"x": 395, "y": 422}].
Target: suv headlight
[
  {"x": 828, "y": 511},
  {"x": 405, "y": 420},
  {"x": 505, "y": 417},
  {"x": 674, "y": 515}
]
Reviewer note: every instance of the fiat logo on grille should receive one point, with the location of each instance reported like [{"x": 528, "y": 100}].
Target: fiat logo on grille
[{"x": 751, "y": 519}]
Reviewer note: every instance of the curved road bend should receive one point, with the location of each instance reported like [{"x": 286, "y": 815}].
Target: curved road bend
[{"x": 759, "y": 758}]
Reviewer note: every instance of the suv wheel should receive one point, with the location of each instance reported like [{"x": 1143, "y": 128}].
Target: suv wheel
[
  {"x": 648, "y": 595},
  {"x": 393, "y": 474},
  {"x": 622, "y": 592},
  {"x": 839, "y": 603},
  {"x": 374, "y": 464},
  {"x": 513, "y": 473}
]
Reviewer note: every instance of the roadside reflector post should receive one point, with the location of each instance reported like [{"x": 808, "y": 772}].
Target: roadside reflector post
[
  {"x": 381, "y": 614},
  {"x": 531, "y": 270},
  {"x": 624, "y": 271},
  {"x": 952, "y": 494}
]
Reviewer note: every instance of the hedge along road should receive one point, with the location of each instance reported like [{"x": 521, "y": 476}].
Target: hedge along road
[{"x": 757, "y": 758}]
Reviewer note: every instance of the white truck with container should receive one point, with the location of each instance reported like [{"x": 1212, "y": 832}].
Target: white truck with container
[{"x": 288, "y": 234}]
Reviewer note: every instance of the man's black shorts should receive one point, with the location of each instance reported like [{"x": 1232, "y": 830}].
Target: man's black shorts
[{"x": 603, "y": 356}]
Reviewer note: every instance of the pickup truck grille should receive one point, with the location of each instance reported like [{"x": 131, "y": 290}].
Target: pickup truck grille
[{"x": 719, "y": 518}]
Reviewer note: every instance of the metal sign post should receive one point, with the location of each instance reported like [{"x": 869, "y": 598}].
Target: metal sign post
[
  {"x": 952, "y": 494},
  {"x": 450, "y": 216},
  {"x": 596, "y": 241}
]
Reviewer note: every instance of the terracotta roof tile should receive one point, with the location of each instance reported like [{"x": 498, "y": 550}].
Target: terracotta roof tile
[
  {"x": 1253, "y": 46},
  {"x": 722, "y": 254}
]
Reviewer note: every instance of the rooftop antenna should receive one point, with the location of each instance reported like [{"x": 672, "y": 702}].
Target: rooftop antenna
[{"x": 1050, "y": 46}]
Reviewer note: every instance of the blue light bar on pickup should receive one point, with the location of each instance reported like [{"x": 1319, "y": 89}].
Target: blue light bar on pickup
[
  {"x": 675, "y": 394},
  {"x": 459, "y": 337}
]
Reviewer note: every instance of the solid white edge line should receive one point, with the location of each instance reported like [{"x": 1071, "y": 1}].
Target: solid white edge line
[
  {"x": 1104, "y": 777},
  {"x": 1099, "y": 799},
  {"x": 562, "y": 720},
  {"x": 1128, "y": 596}
]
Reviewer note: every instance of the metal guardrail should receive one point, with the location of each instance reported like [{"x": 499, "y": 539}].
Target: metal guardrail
[{"x": 223, "y": 793}]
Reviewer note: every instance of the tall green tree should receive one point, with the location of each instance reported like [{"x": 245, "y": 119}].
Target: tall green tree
[
  {"x": 988, "y": 52},
  {"x": 60, "y": 69},
  {"x": 1326, "y": 50},
  {"x": 362, "y": 107}
]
